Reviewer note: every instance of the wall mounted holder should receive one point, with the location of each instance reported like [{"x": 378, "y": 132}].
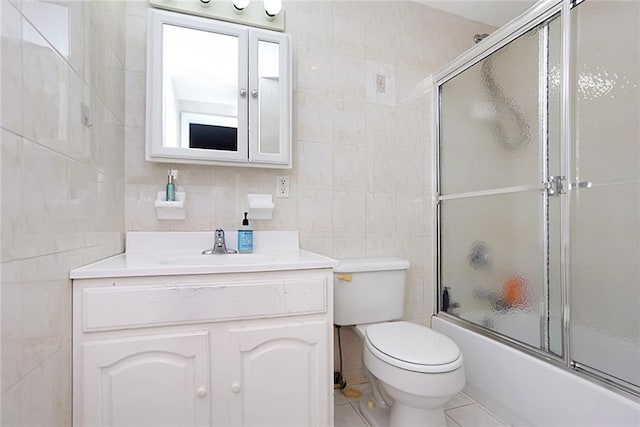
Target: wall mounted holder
[
  {"x": 170, "y": 210},
  {"x": 260, "y": 206}
]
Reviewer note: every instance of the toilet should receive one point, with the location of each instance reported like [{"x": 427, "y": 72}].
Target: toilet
[{"x": 412, "y": 369}]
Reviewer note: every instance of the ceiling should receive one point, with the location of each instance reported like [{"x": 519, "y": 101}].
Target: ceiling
[{"x": 495, "y": 13}]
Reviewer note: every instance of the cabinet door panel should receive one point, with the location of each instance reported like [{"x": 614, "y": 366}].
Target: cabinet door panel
[
  {"x": 270, "y": 101},
  {"x": 159, "y": 380},
  {"x": 279, "y": 375}
]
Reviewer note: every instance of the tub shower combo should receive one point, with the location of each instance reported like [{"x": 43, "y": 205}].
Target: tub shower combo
[{"x": 538, "y": 192}]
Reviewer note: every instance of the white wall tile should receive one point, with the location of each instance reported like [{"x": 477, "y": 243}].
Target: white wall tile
[
  {"x": 348, "y": 29},
  {"x": 43, "y": 397},
  {"x": 312, "y": 117},
  {"x": 348, "y": 76},
  {"x": 11, "y": 154},
  {"x": 136, "y": 52},
  {"x": 315, "y": 213},
  {"x": 381, "y": 214},
  {"x": 314, "y": 69},
  {"x": 349, "y": 122},
  {"x": 410, "y": 173},
  {"x": 314, "y": 167},
  {"x": 381, "y": 30},
  {"x": 44, "y": 94},
  {"x": 314, "y": 20},
  {"x": 11, "y": 68},
  {"x": 349, "y": 167},
  {"x": 135, "y": 83},
  {"x": 348, "y": 213},
  {"x": 62, "y": 188}
]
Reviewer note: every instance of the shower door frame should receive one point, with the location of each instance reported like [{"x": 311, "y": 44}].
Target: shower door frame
[{"x": 533, "y": 17}]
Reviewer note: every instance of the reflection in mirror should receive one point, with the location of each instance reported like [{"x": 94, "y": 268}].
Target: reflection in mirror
[
  {"x": 269, "y": 81},
  {"x": 200, "y": 89}
]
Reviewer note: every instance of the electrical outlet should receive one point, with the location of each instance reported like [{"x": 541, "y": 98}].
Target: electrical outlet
[{"x": 282, "y": 186}]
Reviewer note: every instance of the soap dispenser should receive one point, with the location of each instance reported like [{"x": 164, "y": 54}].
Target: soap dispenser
[
  {"x": 245, "y": 237},
  {"x": 171, "y": 188}
]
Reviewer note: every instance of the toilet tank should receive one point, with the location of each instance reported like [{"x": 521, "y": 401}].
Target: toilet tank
[{"x": 369, "y": 290}]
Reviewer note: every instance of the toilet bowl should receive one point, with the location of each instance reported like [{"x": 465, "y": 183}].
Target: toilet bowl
[
  {"x": 417, "y": 368},
  {"x": 413, "y": 370}
]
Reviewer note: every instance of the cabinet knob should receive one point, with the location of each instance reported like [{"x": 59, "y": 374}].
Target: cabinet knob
[
  {"x": 201, "y": 392},
  {"x": 254, "y": 93},
  {"x": 243, "y": 92},
  {"x": 235, "y": 387}
]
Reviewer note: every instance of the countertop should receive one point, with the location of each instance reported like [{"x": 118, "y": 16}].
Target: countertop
[{"x": 179, "y": 253}]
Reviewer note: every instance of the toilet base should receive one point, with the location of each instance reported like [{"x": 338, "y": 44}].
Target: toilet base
[
  {"x": 402, "y": 416},
  {"x": 376, "y": 416}
]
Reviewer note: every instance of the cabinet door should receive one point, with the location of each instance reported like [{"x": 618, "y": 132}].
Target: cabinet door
[
  {"x": 155, "y": 380},
  {"x": 196, "y": 89},
  {"x": 270, "y": 98},
  {"x": 280, "y": 375}
]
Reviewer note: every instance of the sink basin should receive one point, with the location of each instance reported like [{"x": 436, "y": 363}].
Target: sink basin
[{"x": 228, "y": 260}]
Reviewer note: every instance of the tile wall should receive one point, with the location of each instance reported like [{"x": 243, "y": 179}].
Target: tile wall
[
  {"x": 62, "y": 186},
  {"x": 361, "y": 181}
]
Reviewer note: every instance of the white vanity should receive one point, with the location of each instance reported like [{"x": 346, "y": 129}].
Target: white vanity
[{"x": 170, "y": 337}]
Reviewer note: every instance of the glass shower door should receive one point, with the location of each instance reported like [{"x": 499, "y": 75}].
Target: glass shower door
[
  {"x": 605, "y": 199},
  {"x": 497, "y": 150}
]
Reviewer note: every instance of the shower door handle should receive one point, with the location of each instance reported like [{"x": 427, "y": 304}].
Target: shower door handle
[
  {"x": 555, "y": 185},
  {"x": 582, "y": 184}
]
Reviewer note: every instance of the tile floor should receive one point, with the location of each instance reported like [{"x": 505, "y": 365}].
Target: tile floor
[{"x": 461, "y": 411}]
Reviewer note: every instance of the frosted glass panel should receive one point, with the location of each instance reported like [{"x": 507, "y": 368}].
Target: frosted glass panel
[
  {"x": 489, "y": 117},
  {"x": 606, "y": 90},
  {"x": 605, "y": 213},
  {"x": 605, "y": 279},
  {"x": 493, "y": 263}
]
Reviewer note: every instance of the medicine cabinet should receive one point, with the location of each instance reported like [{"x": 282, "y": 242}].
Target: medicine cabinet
[{"x": 217, "y": 93}]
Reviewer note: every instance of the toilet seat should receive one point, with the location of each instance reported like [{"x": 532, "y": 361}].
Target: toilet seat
[{"x": 413, "y": 347}]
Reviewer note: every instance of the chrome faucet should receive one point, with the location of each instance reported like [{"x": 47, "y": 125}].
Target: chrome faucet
[{"x": 219, "y": 245}]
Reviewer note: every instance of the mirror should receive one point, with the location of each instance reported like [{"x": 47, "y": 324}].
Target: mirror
[
  {"x": 217, "y": 93},
  {"x": 200, "y": 89},
  {"x": 269, "y": 84}
]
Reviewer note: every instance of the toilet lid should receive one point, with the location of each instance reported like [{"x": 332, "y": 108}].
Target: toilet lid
[{"x": 413, "y": 347}]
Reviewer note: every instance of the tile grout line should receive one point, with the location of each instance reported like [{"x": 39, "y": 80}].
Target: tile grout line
[{"x": 357, "y": 410}]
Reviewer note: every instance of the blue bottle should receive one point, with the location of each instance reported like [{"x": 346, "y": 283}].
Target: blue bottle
[{"x": 245, "y": 237}]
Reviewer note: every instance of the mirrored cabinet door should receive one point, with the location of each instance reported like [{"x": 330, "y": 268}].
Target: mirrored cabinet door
[
  {"x": 269, "y": 104},
  {"x": 217, "y": 93}
]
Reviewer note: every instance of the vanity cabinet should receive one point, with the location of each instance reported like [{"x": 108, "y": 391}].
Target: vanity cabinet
[
  {"x": 240, "y": 349},
  {"x": 217, "y": 93}
]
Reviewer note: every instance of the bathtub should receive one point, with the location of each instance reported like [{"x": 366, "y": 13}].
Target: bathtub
[{"x": 524, "y": 390}]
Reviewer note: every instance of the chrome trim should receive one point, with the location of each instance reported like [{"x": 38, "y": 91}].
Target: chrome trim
[
  {"x": 504, "y": 339},
  {"x": 499, "y": 38},
  {"x": 437, "y": 274},
  {"x": 582, "y": 185},
  {"x": 543, "y": 135},
  {"x": 566, "y": 111},
  {"x": 493, "y": 192},
  {"x": 607, "y": 379}
]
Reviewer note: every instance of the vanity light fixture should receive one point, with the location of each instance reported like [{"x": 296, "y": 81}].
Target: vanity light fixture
[
  {"x": 239, "y": 5},
  {"x": 272, "y": 8}
]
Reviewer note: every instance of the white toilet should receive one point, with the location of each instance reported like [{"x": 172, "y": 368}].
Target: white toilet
[{"x": 413, "y": 370}]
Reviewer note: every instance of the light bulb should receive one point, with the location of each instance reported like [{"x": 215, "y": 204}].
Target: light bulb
[
  {"x": 240, "y": 5},
  {"x": 272, "y": 7}
]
